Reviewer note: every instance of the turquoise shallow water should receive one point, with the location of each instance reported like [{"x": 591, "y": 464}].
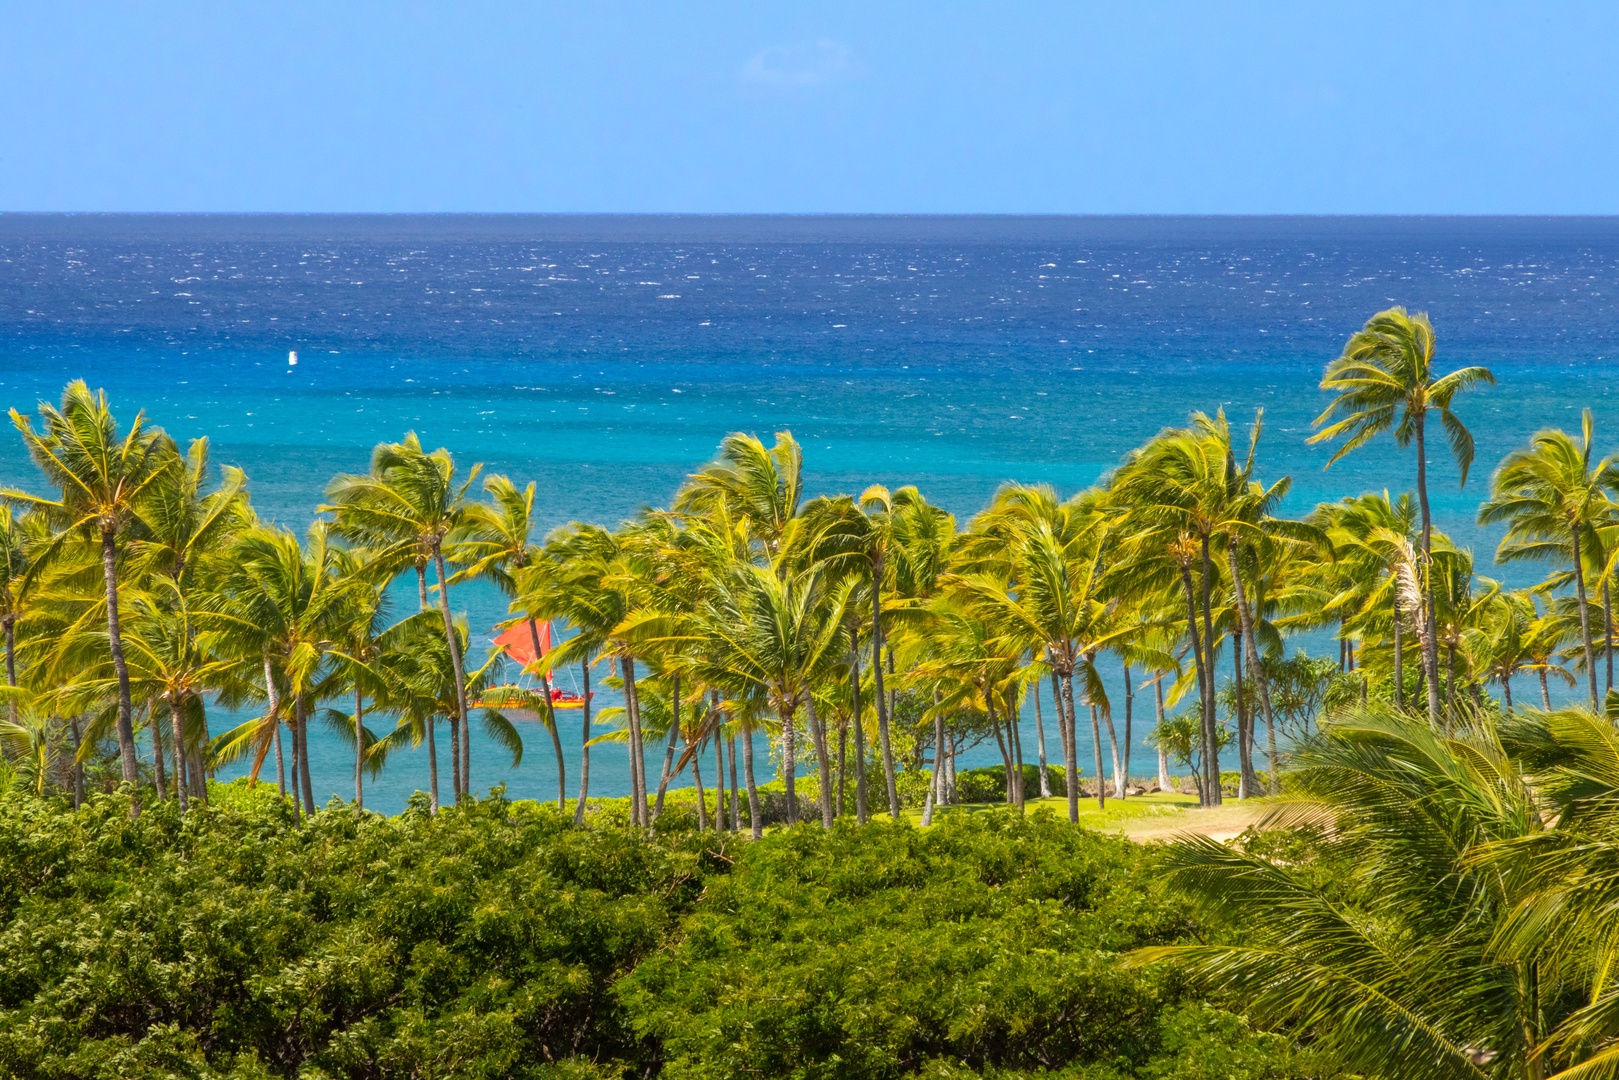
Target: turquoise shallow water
[{"x": 604, "y": 358}]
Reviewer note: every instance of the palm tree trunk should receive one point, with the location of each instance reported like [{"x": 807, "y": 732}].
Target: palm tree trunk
[
  {"x": 697, "y": 779},
  {"x": 1040, "y": 744},
  {"x": 1070, "y": 753},
  {"x": 1101, "y": 773},
  {"x": 1015, "y": 737},
  {"x": 1585, "y": 619},
  {"x": 789, "y": 760},
  {"x": 78, "y": 766},
  {"x": 301, "y": 715},
  {"x": 199, "y": 769},
  {"x": 464, "y": 782},
  {"x": 1206, "y": 728},
  {"x": 719, "y": 782},
  {"x": 297, "y": 793},
  {"x": 159, "y": 775},
  {"x": 1065, "y": 734},
  {"x": 1607, "y": 629},
  {"x": 1506, "y": 690},
  {"x": 1430, "y": 642},
  {"x": 823, "y": 760},
  {"x": 179, "y": 756},
  {"x": 1113, "y": 746},
  {"x": 1247, "y": 782},
  {"x": 1212, "y": 757},
  {"x": 1545, "y": 692},
  {"x": 950, "y": 790},
  {"x": 843, "y": 764},
  {"x": 432, "y": 765},
  {"x": 754, "y": 821},
  {"x": 632, "y": 712},
  {"x": 115, "y": 644},
  {"x": 1399, "y": 655},
  {"x": 1129, "y": 718},
  {"x": 862, "y": 801},
  {"x": 936, "y": 789},
  {"x": 669, "y": 748},
  {"x": 550, "y": 720},
  {"x": 455, "y": 757},
  {"x": 584, "y": 747},
  {"x": 421, "y": 586},
  {"x": 359, "y": 746},
  {"x": 1165, "y": 781},
  {"x": 882, "y": 698},
  {"x": 736, "y": 802}
]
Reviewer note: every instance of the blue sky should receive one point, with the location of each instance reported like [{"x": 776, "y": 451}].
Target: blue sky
[{"x": 939, "y": 107}]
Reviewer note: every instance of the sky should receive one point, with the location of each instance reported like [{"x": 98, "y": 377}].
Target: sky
[{"x": 824, "y": 107}]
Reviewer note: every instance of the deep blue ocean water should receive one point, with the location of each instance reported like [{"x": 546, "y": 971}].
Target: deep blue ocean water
[{"x": 606, "y": 357}]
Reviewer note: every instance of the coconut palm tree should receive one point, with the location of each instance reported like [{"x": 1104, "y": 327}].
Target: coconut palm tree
[
  {"x": 102, "y": 479},
  {"x": 281, "y": 604},
  {"x": 495, "y": 543},
  {"x": 1552, "y": 497},
  {"x": 408, "y": 507},
  {"x": 1385, "y": 379}
]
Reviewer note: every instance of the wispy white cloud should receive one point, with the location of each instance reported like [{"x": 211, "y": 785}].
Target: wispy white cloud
[{"x": 808, "y": 63}]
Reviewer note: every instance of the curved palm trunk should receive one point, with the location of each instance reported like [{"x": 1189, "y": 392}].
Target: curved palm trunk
[
  {"x": 753, "y": 788},
  {"x": 632, "y": 712},
  {"x": 1212, "y": 757},
  {"x": 1009, "y": 796},
  {"x": 1165, "y": 781},
  {"x": 464, "y": 777},
  {"x": 669, "y": 751},
  {"x": 1206, "y": 728},
  {"x": 1399, "y": 657},
  {"x": 359, "y": 747},
  {"x": 272, "y": 716},
  {"x": 1070, "y": 753},
  {"x": 1129, "y": 722},
  {"x": 180, "y": 786},
  {"x": 1101, "y": 772},
  {"x": 1429, "y": 641},
  {"x": 1113, "y": 747},
  {"x": 159, "y": 774},
  {"x": 584, "y": 746},
  {"x": 697, "y": 779},
  {"x": 551, "y": 721},
  {"x": 862, "y": 807},
  {"x": 882, "y": 698},
  {"x": 115, "y": 645},
  {"x": 823, "y": 760},
  {"x": 1585, "y": 619},
  {"x": 1040, "y": 744},
  {"x": 1607, "y": 629},
  {"x": 1247, "y": 782}
]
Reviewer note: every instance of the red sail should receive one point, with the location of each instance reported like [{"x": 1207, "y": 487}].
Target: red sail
[{"x": 519, "y": 642}]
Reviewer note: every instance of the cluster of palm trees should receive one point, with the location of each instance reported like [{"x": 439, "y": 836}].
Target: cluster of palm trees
[{"x": 864, "y": 640}]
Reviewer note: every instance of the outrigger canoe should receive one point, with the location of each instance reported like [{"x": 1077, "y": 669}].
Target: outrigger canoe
[{"x": 518, "y": 643}]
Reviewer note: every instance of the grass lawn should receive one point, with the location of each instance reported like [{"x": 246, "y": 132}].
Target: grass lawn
[{"x": 1158, "y": 816}]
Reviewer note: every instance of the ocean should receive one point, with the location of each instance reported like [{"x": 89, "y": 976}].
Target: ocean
[{"x": 605, "y": 357}]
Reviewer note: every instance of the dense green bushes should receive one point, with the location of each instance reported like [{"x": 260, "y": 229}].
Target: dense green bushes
[{"x": 497, "y": 940}]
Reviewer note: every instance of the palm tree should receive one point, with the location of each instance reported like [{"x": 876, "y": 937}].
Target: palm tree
[
  {"x": 495, "y": 543},
  {"x": 1552, "y": 497},
  {"x": 1471, "y": 939},
  {"x": 407, "y": 507},
  {"x": 1385, "y": 379},
  {"x": 13, "y": 595},
  {"x": 281, "y": 604},
  {"x": 102, "y": 478}
]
